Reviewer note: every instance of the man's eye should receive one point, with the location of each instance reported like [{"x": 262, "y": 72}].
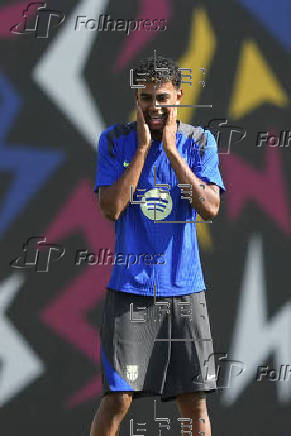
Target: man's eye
[
  {"x": 146, "y": 97},
  {"x": 162, "y": 97}
]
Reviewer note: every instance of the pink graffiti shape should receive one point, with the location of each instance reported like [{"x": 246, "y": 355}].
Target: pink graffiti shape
[
  {"x": 66, "y": 313},
  {"x": 149, "y": 9},
  {"x": 267, "y": 187},
  {"x": 11, "y": 15}
]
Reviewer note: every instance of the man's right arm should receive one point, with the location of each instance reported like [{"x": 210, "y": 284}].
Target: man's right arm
[{"x": 114, "y": 199}]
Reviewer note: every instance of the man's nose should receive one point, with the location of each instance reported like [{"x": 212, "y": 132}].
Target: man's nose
[{"x": 152, "y": 106}]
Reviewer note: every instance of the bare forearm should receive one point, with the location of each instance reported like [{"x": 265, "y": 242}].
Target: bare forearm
[
  {"x": 204, "y": 199},
  {"x": 118, "y": 195}
]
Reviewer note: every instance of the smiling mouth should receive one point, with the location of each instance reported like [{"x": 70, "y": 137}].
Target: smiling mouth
[
  {"x": 156, "y": 122},
  {"x": 156, "y": 118}
]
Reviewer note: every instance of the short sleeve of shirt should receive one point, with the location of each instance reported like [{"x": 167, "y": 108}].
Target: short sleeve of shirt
[
  {"x": 108, "y": 168},
  {"x": 209, "y": 170}
]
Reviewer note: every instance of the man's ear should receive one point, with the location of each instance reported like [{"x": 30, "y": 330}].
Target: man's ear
[{"x": 179, "y": 96}]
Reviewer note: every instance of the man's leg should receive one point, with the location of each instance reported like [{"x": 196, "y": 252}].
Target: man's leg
[
  {"x": 193, "y": 405},
  {"x": 113, "y": 408}
]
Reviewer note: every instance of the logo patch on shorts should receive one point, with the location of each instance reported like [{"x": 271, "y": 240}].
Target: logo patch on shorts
[
  {"x": 132, "y": 372},
  {"x": 211, "y": 377}
]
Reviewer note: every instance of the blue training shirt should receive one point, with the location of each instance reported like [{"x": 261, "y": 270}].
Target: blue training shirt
[{"x": 150, "y": 250}]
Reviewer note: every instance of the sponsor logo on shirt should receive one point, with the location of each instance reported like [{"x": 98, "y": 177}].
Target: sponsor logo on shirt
[{"x": 156, "y": 202}]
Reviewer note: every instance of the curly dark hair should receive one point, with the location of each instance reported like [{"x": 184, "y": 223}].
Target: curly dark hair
[{"x": 146, "y": 66}]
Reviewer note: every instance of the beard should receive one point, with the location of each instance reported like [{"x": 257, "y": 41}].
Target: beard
[{"x": 156, "y": 122}]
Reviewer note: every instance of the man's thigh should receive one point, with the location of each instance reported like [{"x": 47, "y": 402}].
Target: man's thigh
[{"x": 192, "y": 367}]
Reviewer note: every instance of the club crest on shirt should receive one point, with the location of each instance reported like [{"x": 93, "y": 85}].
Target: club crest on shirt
[
  {"x": 132, "y": 372},
  {"x": 159, "y": 200}
]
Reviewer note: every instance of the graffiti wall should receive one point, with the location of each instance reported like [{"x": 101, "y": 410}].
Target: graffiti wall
[{"x": 65, "y": 77}]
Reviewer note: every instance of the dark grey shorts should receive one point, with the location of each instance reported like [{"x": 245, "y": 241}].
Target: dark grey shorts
[{"x": 156, "y": 347}]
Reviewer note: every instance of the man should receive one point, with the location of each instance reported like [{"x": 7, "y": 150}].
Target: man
[{"x": 166, "y": 348}]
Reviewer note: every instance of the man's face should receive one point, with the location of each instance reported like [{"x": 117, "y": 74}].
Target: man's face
[{"x": 156, "y": 117}]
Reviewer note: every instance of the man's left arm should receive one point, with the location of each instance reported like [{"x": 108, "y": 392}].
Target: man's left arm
[{"x": 205, "y": 194}]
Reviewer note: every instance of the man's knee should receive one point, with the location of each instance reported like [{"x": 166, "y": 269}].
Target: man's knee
[
  {"x": 192, "y": 400},
  {"x": 117, "y": 402}
]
